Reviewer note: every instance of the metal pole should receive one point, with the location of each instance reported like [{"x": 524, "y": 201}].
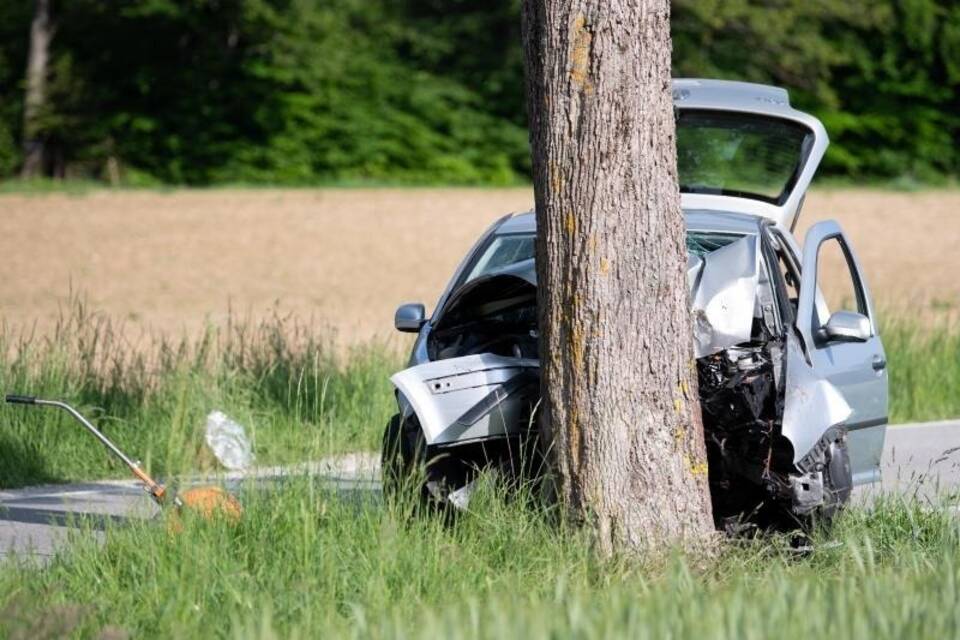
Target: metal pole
[{"x": 154, "y": 488}]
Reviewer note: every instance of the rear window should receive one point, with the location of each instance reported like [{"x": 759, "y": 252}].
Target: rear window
[{"x": 745, "y": 155}]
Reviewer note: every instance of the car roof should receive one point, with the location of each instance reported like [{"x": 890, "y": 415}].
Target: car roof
[
  {"x": 703, "y": 221},
  {"x": 732, "y": 95}
]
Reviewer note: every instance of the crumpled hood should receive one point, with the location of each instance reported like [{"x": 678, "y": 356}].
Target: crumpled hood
[
  {"x": 722, "y": 286},
  {"x": 723, "y": 294}
]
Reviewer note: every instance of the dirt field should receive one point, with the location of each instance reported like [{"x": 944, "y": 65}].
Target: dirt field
[{"x": 173, "y": 261}]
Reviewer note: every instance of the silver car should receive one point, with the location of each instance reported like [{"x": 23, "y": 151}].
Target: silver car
[{"x": 793, "y": 394}]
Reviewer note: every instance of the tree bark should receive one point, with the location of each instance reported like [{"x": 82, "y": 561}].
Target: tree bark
[
  {"x": 620, "y": 410},
  {"x": 41, "y": 34}
]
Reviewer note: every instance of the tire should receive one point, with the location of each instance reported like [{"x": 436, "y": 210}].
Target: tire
[
  {"x": 410, "y": 469},
  {"x": 837, "y": 479},
  {"x": 837, "y": 485},
  {"x": 402, "y": 455}
]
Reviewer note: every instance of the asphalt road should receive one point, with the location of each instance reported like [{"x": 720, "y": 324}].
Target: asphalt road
[
  {"x": 36, "y": 521},
  {"x": 919, "y": 460}
]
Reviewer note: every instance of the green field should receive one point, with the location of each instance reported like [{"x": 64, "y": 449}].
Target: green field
[
  {"x": 306, "y": 562},
  {"x": 297, "y": 396}
]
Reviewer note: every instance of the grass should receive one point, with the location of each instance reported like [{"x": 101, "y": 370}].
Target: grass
[
  {"x": 924, "y": 365},
  {"x": 298, "y": 396},
  {"x": 309, "y": 563}
]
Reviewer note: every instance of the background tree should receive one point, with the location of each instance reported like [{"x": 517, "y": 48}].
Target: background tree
[
  {"x": 300, "y": 92},
  {"x": 41, "y": 34},
  {"x": 620, "y": 412}
]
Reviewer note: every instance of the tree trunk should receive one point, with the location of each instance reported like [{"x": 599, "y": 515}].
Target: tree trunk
[
  {"x": 620, "y": 410},
  {"x": 41, "y": 34}
]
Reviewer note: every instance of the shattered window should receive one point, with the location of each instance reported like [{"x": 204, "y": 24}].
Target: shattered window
[
  {"x": 509, "y": 250},
  {"x": 505, "y": 251},
  {"x": 700, "y": 244}
]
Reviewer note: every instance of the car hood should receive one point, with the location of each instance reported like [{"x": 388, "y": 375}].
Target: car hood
[{"x": 722, "y": 285}]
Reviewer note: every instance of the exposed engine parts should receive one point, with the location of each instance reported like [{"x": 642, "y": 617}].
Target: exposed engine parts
[
  {"x": 495, "y": 315},
  {"x": 741, "y": 408}
]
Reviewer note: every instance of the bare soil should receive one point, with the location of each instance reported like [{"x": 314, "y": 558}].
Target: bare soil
[{"x": 176, "y": 261}]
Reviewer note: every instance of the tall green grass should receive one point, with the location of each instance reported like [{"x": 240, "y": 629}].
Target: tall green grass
[
  {"x": 924, "y": 365},
  {"x": 298, "y": 395},
  {"x": 309, "y": 563},
  {"x": 307, "y": 560}
]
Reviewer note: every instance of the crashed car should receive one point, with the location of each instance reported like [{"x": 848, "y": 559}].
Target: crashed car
[{"x": 793, "y": 394}]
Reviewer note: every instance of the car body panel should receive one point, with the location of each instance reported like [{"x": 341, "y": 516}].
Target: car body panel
[
  {"x": 723, "y": 295},
  {"x": 442, "y": 394},
  {"x": 812, "y": 404}
]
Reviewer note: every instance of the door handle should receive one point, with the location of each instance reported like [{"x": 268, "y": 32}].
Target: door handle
[{"x": 879, "y": 363}]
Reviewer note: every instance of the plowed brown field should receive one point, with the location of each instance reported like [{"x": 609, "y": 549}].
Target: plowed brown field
[{"x": 174, "y": 261}]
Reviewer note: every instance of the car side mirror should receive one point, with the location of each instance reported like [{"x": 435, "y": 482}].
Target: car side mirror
[
  {"x": 846, "y": 326},
  {"x": 410, "y": 317}
]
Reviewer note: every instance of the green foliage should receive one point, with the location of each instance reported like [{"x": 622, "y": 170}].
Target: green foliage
[
  {"x": 924, "y": 370},
  {"x": 262, "y": 91},
  {"x": 431, "y": 91},
  {"x": 14, "y": 18},
  {"x": 883, "y": 76}
]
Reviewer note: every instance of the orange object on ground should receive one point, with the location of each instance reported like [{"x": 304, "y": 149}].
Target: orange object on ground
[{"x": 211, "y": 502}]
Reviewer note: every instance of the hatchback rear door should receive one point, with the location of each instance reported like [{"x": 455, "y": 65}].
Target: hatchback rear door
[{"x": 742, "y": 148}]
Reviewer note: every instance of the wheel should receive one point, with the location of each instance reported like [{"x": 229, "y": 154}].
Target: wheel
[
  {"x": 409, "y": 467},
  {"x": 402, "y": 455},
  {"x": 837, "y": 479},
  {"x": 837, "y": 483}
]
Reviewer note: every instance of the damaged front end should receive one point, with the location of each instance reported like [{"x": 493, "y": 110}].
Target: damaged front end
[{"x": 473, "y": 404}]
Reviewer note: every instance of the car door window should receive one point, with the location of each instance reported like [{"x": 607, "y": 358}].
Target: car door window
[
  {"x": 845, "y": 283},
  {"x": 837, "y": 281}
]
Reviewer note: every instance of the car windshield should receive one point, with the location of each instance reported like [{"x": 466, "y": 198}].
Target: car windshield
[
  {"x": 743, "y": 155},
  {"x": 506, "y": 252},
  {"x": 503, "y": 252}
]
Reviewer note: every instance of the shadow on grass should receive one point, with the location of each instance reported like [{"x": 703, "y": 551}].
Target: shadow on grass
[{"x": 22, "y": 464}]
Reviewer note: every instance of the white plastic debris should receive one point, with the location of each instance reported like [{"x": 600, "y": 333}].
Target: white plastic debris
[{"x": 228, "y": 441}]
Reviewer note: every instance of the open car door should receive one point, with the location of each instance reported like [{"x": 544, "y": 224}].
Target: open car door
[{"x": 843, "y": 347}]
